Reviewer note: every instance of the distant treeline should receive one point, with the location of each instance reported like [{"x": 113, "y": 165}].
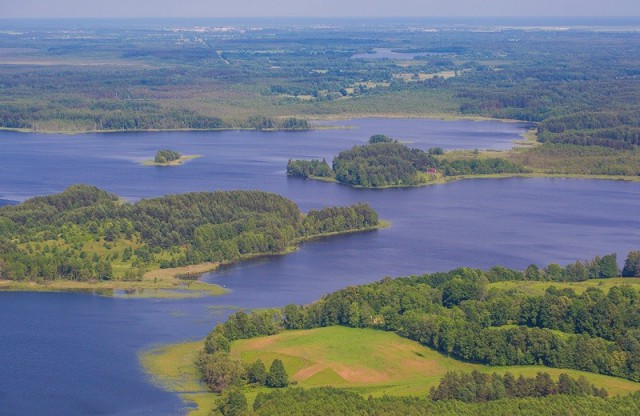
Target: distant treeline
[
  {"x": 386, "y": 162},
  {"x": 270, "y": 123},
  {"x": 51, "y": 237},
  {"x": 108, "y": 115},
  {"x": 133, "y": 115},
  {"x": 457, "y": 313},
  {"x": 609, "y": 129}
]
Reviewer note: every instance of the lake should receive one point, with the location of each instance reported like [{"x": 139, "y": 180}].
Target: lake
[{"x": 77, "y": 354}]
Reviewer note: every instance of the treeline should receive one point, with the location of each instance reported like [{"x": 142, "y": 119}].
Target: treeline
[
  {"x": 107, "y": 115},
  {"x": 133, "y": 115},
  {"x": 308, "y": 168},
  {"x": 477, "y": 387},
  {"x": 271, "y": 123},
  {"x": 332, "y": 401},
  {"x": 596, "y": 268},
  {"x": 47, "y": 237},
  {"x": 618, "y": 130},
  {"x": 386, "y": 162},
  {"x": 480, "y": 166},
  {"x": 459, "y": 314}
]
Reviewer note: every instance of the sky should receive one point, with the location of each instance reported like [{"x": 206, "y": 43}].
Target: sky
[{"x": 314, "y": 8}]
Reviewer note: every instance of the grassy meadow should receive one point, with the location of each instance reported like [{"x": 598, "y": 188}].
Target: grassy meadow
[
  {"x": 379, "y": 363},
  {"x": 366, "y": 361}
]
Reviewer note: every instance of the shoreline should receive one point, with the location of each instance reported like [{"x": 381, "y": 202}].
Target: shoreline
[
  {"x": 311, "y": 118},
  {"x": 157, "y": 284},
  {"x": 449, "y": 179},
  {"x": 170, "y": 283},
  {"x": 172, "y": 368}
]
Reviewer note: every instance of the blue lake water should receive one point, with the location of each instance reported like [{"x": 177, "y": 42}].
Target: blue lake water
[{"x": 78, "y": 354}]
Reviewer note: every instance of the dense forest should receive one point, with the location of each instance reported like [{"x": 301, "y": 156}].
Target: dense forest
[
  {"x": 86, "y": 233},
  {"x": 381, "y": 164},
  {"x": 460, "y": 314},
  {"x": 326, "y": 400},
  {"x": 608, "y": 129},
  {"x": 385, "y": 162}
]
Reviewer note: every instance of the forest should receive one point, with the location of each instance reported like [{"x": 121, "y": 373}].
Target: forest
[
  {"x": 580, "y": 84},
  {"x": 85, "y": 233},
  {"x": 384, "y": 162},
  {"x": 462, "y": 315}
]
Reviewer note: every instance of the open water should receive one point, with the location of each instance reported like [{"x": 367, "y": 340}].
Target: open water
[{"x": 73, "y": 354}]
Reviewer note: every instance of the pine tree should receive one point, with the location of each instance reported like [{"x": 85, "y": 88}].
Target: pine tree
[
  {"x": 277, "y": 376},
  {"x": 632, "y": 265}
]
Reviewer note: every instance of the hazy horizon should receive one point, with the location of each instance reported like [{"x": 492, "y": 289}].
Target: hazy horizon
[{"x": 42, "y": 9}]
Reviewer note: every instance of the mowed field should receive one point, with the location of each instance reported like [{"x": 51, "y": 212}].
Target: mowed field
[
  {"x": 366, "y": 361},
  {"x": 378, "y": 363}
]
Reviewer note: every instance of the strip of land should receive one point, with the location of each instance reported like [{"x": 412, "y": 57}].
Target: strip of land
[{"x": 159, "y": 283}]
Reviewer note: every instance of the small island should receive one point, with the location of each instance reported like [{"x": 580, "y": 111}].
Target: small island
[
  {"x": 168, "y": 157},
  {"x": 385, "y": 163}
]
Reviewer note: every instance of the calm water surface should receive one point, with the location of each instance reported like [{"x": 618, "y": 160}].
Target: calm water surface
[{"x": 77, "y": 354}]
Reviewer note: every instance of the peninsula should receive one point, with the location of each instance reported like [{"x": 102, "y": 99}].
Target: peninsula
[{"x": 87, "y": 239}]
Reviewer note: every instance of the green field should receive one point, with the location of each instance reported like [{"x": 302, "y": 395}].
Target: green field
[
  {"x": 366, "y": 361},
  {"x": 538, "y": 288},
  {"x": 378, "y": 363}
]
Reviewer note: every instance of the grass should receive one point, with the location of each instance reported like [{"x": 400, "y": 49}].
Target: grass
[
  {"x": 158, "y": 283},
  {"x": 366, "y": 361},
  {"x": 173, "y": 368},
  {"x": 167, "y": 287},
  {"x": 379, "y": 363},
  {"x": 538, "y": 288}
]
